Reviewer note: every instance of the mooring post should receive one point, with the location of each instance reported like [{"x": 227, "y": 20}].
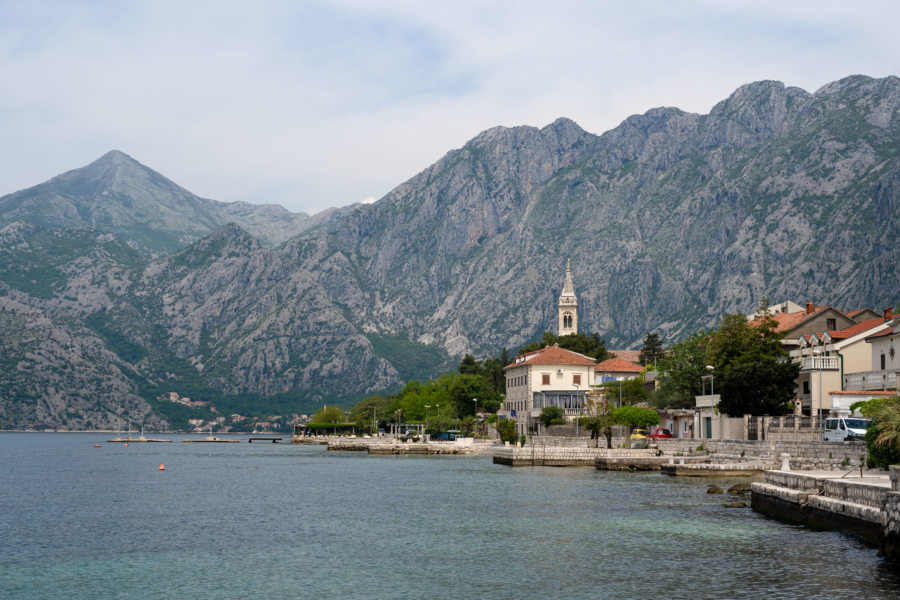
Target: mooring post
[{"x": 785, "y": 461}]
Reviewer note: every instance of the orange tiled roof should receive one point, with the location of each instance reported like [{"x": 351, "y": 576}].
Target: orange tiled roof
[
  {"x": 786, "y": 322},
  {"x": 887, "y": 332},
  {"x": 617, "y": 365},
  {"x": 632, "y": 356},
  {"x": 552, "y": 355},
  {"x": 849, "y": 332}
]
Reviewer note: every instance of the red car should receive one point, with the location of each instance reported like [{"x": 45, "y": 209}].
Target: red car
[{"x": 660, "y": 432}]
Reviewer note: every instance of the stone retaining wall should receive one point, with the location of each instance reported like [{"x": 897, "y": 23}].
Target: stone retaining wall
[
  {"x": 815, "y": 455},
  {"x": 559, "y": 455},
  {"x": 863, "y": 507}
]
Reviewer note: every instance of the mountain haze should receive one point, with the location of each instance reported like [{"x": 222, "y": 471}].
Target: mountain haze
[{"x": 669, "y": 221}]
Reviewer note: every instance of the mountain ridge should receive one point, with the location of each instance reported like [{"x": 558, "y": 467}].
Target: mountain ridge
[{"x": 670, "y": 220}]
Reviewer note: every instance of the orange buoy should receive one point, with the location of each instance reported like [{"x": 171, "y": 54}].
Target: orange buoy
[
  {"x": 126, "y": 444},
  {"x": 96, "y": 445},
  {"x": 162, "y": 467}
]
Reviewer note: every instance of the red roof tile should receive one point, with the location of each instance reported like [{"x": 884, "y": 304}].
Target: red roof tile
[
  {"x": 617, "y": 365},
  {"x": 632, "y": 356},
  {"x": 849, "y": 332},
  {"x": 552, "y": 355},
  {"x": 887, "y": 332}
]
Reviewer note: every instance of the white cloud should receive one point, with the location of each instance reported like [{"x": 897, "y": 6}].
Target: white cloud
[{"x": 313, "y": 105}]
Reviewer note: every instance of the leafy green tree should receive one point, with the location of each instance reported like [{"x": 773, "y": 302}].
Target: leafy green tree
[
  {"x": 467, "y": 426},
  {"x": 680, "y": 371},
  {"x": 883, "y": 435},
  {"x": 469, "y": 366},
  {"x": 372, "y": 407},
  {"x": 753, "y": 372},
  {"x": 630, "y": 391},
  {"x": 652, "y": 351},
  {"x": 552, "y": 415},
  {"x": 467, "y": 388},
  {"x": 600, "y": 422},
  {"x": 506, "y": 429},
  {"x": 634, "y": 416},
  {"x": 332, "y": 415}
]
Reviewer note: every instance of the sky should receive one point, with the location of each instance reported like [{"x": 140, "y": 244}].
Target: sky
[{"x": 318, "y": 104}]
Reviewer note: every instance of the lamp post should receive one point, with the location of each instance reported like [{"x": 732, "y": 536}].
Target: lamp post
[
  {"x": 425, "y": 433},
  {"x": 712, "y": 380},
  {"x": 818, "y": 364},
  {"x": 576, "y": 416}
]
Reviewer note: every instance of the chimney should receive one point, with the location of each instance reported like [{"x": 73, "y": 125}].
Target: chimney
[
  {"x": 888, "y": 313},
  {"x": 809, "y": 308}
]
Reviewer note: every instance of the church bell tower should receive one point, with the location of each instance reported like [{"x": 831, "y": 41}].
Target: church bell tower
[{"x": 568, "y": 306}]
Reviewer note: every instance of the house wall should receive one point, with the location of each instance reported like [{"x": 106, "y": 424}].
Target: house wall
[
  {"x": 857, "y": 357},
  {"x": 882, "y": 346}
]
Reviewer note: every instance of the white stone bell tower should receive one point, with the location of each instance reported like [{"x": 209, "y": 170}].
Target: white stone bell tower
[{"x": 568, "y": 306}]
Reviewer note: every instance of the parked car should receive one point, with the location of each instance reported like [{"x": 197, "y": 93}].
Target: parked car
[
  {"x": 660, "y": 432},
  {"x": 845, "y": 429},
  {"x": 638, "y": 433}
]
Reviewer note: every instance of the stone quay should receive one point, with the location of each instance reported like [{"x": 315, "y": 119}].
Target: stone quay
[{"x": 864, "y": 503}]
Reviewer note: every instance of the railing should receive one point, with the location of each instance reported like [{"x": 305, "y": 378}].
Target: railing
[
  {"x": 707, "y": 401},
  {"x": 820, "y": 363},
  {"x": 870, "y": 380}
]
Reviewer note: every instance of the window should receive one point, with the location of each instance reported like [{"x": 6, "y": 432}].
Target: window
[
  {"x": 576, "y": 379},
  {"x": 545, "y": 379},
  {"x": 882, "y": 361},
  {"x": 831, "y": 324}
]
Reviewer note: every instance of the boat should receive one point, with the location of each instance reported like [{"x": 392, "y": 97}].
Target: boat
[
  {"x": 128, "y": 439},
  {"x": 212, "y": 439}
]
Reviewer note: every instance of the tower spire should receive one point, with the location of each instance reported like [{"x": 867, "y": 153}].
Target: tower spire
[{"x": 568, "y": 305}]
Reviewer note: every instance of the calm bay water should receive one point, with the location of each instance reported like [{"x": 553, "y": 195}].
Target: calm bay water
[{"x": 244, "y": 520}]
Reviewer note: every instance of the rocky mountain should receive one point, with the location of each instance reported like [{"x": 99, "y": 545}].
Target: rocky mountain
[
  {"x": 669, "y": 220},
  {"x": 115, "y": 193}
]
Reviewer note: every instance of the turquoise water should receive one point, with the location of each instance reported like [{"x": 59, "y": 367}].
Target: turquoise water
[{"x": 275, "y": 520}]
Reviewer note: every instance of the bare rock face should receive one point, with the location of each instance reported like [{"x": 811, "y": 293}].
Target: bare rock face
[{"x": 669, "y": 221}]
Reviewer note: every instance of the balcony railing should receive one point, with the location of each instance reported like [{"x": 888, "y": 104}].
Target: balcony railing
[
  {"x": 708, "y": 401},
  {"x": 819, "y": 363},
  {"x": 870, "y": 381}
]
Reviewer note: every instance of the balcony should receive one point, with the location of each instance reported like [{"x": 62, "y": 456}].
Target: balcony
[
  {"x": 708, "y": 401},
  {"x": 867, "y": 381},
  {"x": 819, "y": 363}
]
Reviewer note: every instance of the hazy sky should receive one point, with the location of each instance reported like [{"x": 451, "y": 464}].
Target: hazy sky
[{"x": 318, "y": 104}]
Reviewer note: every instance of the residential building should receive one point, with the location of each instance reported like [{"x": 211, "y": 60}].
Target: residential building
[
  {"x": 551, "y": 376},
  {"x": 830, "y": 359}
]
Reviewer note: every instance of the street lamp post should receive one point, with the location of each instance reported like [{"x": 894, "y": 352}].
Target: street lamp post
[
  {"x": 712, "y": 380},
  {"x": 425, "y": 433},
  {"x": 576, "y": 416},
  {"x": 817, "y": 352}
]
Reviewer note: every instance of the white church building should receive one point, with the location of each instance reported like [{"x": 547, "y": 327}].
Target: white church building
[{"x": 549, "y": 376}]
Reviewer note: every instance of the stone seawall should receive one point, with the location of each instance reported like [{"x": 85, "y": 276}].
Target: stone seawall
[
  {"x": 560, "y": 456},
  {"x": 815, "y": 455},
  {"x": 866, "y": 505}
]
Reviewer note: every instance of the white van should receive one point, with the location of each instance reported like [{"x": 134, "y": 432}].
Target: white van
[{"x": 845, "y": 429}]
